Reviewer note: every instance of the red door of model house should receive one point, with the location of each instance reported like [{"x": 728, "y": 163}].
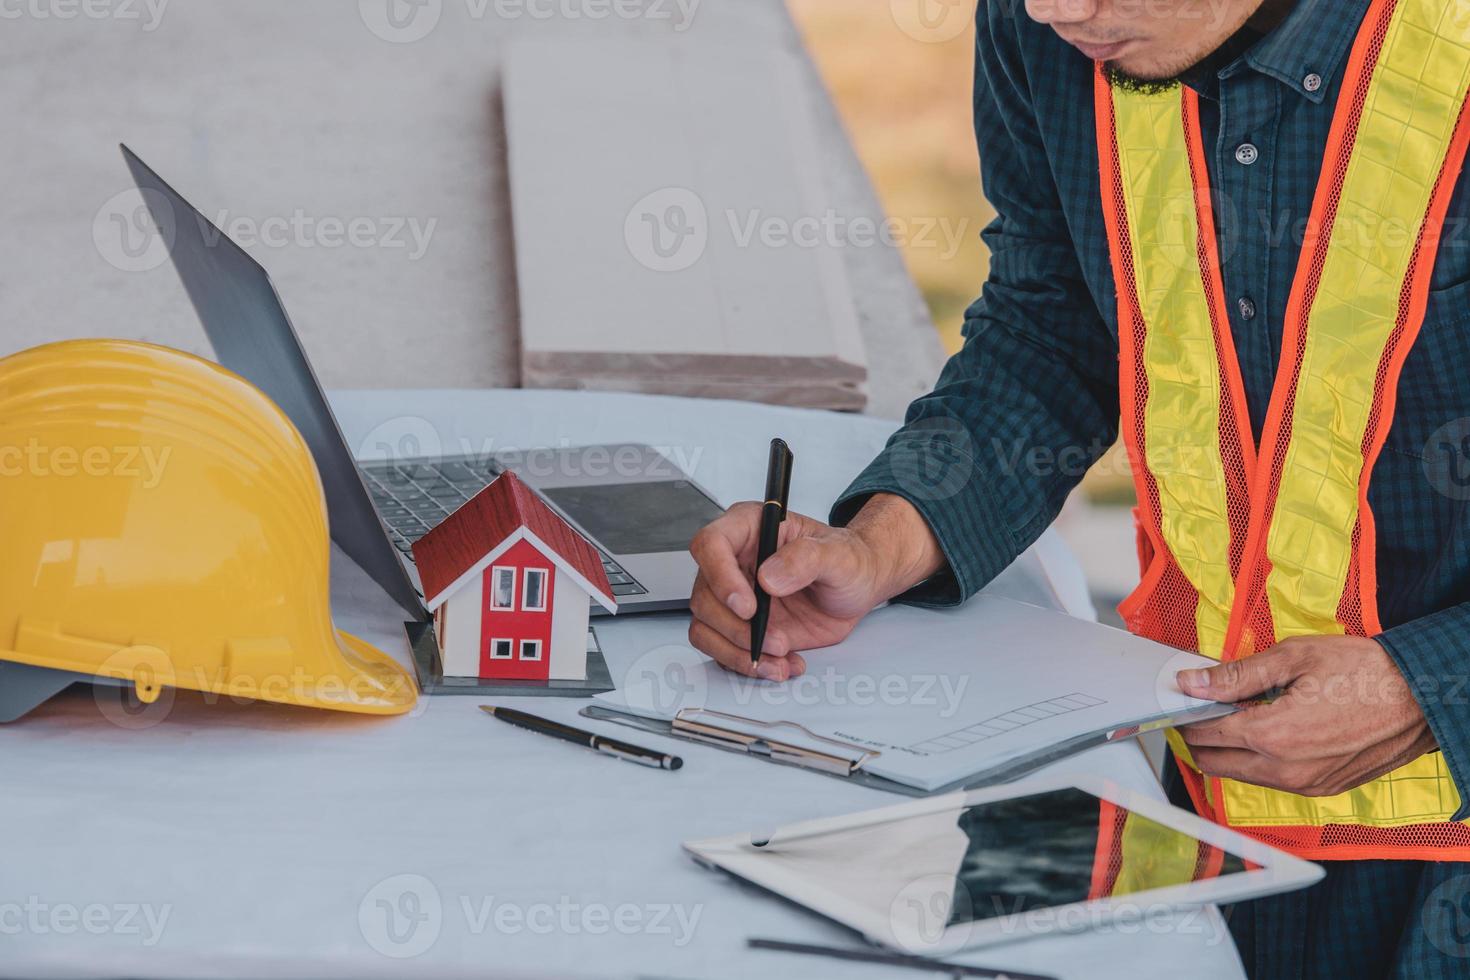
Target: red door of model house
[{"x": 515, "y": 621}]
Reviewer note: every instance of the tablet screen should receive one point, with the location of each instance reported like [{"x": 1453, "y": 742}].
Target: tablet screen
[
  {"x": 1065, "y": 846},
  {"x": 995, "y": 865}
]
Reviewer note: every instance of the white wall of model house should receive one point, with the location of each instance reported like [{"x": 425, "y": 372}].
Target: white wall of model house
[{"x": 460, "y": 635}]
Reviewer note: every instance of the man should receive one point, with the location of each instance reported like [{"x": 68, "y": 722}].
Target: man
[{"x": 1238, "y": 226}]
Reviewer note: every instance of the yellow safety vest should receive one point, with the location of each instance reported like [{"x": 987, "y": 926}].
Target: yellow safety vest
[{"x": 1243, "y": 545}]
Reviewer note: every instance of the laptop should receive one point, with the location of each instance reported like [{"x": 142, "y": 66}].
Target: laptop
[{"x": 639, "y": 514}]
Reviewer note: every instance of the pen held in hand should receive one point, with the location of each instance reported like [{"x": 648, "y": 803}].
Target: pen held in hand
[{"x": 773, "y": 512}]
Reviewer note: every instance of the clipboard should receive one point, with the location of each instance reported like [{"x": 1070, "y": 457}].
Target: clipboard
[{"x": 846, "y": 760}]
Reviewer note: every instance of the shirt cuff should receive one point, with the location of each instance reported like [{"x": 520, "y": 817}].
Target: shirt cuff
[
  {"x": 1431, "y": 654},
  {"x": 947, "y": 493}
]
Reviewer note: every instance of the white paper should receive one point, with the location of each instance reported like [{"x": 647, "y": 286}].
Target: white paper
[{"x": 939, "y": 695}]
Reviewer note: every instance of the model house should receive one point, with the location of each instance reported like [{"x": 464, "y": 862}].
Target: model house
[{"x": 509, "y": 582}]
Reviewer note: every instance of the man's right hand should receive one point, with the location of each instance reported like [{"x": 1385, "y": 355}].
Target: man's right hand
[{"x": 822, "y": 580}]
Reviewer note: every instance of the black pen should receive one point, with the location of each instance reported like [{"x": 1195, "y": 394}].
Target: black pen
[
  {"x": 773, "y": 512},
  {"x": 601, "y": 743}
]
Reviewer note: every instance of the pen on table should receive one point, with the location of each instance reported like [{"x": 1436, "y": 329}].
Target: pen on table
[
  {"x": 601, "y": 743},
  {"x": 773, "y": 512}
]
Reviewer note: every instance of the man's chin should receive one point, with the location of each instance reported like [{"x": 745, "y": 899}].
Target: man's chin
[{"x": 1136, "y": 75}]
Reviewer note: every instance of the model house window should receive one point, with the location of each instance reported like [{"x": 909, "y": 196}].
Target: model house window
[
  {"x": 502, "y": 588},
  {"x": 534, "y": 598},
  {"x": 500, "y": 649},
  {"x": 530, "y": 649}
]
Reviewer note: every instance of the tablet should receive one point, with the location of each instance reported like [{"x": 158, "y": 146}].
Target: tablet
[{"x": 1045, "y": 855}]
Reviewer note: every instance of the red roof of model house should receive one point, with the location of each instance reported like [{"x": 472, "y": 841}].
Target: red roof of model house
[{"x": 465, "y": 543}]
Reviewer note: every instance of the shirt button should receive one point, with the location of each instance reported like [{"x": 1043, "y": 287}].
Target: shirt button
[
  {"x": 1247, "y": 154},
  {"x": 1312, "y": 82},
  {"x": 1247, "y": 308}
]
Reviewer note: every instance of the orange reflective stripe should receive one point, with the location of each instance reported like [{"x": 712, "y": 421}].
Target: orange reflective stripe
[
  {"x": 1107, "y": 855},
  {"x": 1159, "y": 572}
]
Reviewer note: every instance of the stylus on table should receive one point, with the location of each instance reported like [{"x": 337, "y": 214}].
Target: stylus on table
[
  {"x": 601, "y": 743},
  {"x": 773, "y": 512}
]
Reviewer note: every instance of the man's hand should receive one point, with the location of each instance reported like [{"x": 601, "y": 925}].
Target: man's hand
[
  {"x": 821, "y": 580},
  {"x": 1346, "y": 717}
]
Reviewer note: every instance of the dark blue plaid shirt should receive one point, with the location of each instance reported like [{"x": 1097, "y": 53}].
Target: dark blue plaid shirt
[{"x": 1032, "y": 399}]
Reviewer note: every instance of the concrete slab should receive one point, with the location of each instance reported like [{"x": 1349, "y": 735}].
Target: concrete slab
[{"x": 358, "y": 151}]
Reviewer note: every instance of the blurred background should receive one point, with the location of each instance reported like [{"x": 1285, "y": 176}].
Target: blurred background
[{"x": 905, "y": 101}]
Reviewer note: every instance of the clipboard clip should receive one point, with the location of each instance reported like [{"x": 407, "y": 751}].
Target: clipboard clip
[{"x": 686, "y": 724}]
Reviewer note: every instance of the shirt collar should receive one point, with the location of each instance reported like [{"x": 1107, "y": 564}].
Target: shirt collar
[{"x": 1313, "y": 40}]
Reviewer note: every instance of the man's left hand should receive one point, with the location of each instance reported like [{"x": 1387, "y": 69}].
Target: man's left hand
[{"x": 1345, "y": 716}]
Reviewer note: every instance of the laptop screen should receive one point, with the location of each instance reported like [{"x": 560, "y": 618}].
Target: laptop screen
[{"x": 251, "y": 334}]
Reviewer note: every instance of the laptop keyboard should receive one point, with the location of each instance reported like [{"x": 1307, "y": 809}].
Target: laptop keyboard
[{"x": 414, "y": 496}]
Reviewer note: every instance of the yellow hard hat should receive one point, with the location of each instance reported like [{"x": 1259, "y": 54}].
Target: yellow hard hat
[{"x": 162, "y": 524}]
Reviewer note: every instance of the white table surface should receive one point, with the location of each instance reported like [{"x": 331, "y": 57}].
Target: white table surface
[{"x": 220, "y": 839}]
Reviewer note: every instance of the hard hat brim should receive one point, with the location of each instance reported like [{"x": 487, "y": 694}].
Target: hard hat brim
[{"x": 360, "y": 678}]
